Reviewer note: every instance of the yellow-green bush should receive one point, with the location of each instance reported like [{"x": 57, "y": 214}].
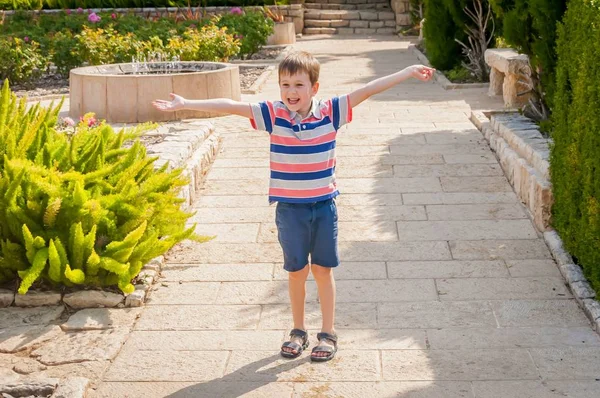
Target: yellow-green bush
[
  {"x": 575, "y": 156},
  {"x": 80, "y": 208}
]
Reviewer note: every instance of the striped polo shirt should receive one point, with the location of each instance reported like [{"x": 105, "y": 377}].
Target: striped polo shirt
[{"x": 302, "y": 150}]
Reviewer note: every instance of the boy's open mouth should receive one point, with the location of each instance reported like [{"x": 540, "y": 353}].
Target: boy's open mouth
[{"x": 293, "y": 101}]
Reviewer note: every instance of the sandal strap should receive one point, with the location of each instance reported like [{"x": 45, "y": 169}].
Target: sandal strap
[
  {"x": 327, "y": 336},
  {"x": 299, "y": 333},
  {"x": 293, "y": 345}
]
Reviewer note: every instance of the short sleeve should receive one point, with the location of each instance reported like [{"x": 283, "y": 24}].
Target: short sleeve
[
  {"x": 263, "y": 116},
  {"x": 341, "y": 111}
]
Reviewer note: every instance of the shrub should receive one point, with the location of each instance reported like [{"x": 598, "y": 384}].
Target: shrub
[
  {"x": 439, "y": 32},
  {"x": 210, "y": 43},
  {"x": 21, "y": 59},
  {"x": 252, "y": 28},
  {"x": 575, "y": 154},
  {"x": 80, "y": 208}
]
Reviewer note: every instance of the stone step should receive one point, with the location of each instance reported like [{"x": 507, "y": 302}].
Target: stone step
[
  {"x": 349, "y": 31},
  {"x": 346, "y": 23},
  {"x": 350, "y": 15},
  {"x": 373, "y": 6}
]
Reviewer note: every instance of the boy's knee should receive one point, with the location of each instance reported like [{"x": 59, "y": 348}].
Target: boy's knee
[
  {"x": 299, "y": 275},
  {"x": 321, "y": 272}
]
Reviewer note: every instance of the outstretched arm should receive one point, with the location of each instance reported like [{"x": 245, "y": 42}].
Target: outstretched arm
[
  {"x": 219, "y": 105},
  {"x": 421, "y": 72}
]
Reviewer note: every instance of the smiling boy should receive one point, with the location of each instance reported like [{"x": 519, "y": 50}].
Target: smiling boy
[{"x": 303, "y": 134}]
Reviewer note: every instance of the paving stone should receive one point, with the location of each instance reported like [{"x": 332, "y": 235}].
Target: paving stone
[
  {"x": 394, "y": 251},
  {"x": 409, "y": 389},
  {"x": 182, "y": 366},
  {"x": 436, "y": 314},
  {"x": 184, "y": 293},
  {"x": 447, "y": 269},
  {"x": 536, "y": 389},
  {"x": 229, "y": 232},
  {"x": 199, "y": 317},
  {"x": 252, "y": 201},
  {"x": 502, "y": 288},
  {"x": 454, "y": 198},
  {"x": 486, "y": 158},
  {"x": 266, "y": 366},
  {"x": 484, "y": 338},
  {"x": 383, "y": 339},
  {"x": 379, "y": 171},
  {"x": 225, "y": 253},
  {"x": 240, "y": 163},
  {"x": 204, "y": 340},
  {"x": 275, "y": 292},
  {"x": 14, "y": 317},
  {"x": 71, "y": 387},
  {"x": 472, "y": 136},
  {"x": 379, "y": 139},
  {"x": 378, "y": 291},
  {"x": 88, "y": 369},
  {"x": 395, "y": 185},
  {"x": 213, "y": 388},
  {"x": 23, "y": 337},
  {"x": 412, "y": 159},
  {"x": 366, "y": 201},
  {"x": 448, "y": 170},
  {"x": 75, "y": 347},
  {"x": 218, "y": 272},
  {"x": 248, "y": 173},
  {"x": 499, "y": 249},
  {"x": 475, "y": 184},
  {"x": 520, "y": 268},
  {"x": 565, "y": 363},
  {"x": 458, "y": 365},
  {"x": 346, "y": 270},
  {"x": 496, "y": 211},
  {"x": 522, "y": 313},
  {"x": 348, "y": 316},
  {"x": 348, "y": 231},
  {"x": 448, "y": 149},
  {"x": 242, "y": 187},
  {"x": 475, "y": 229},
  {"x": 234, "y": 215}
]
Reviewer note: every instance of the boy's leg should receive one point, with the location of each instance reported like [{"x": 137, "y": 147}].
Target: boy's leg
[
  {"x": 325, "y": 257},
  {"x": 297, "y": 290},
  {"x": 326, "y": 286}
]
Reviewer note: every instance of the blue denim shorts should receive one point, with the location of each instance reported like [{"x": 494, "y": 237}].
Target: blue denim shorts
[{"x": 308, "y": 229}]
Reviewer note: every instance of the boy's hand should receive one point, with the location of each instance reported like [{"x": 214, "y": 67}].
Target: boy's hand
[
  {"x": 176, "y": 104},
  {"x": 421, "y": 72}
]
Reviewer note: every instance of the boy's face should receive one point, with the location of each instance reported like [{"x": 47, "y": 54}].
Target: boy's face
[{"x": 297, "y": 92}]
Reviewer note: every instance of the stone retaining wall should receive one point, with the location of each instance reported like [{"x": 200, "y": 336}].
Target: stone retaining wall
[{"x": 523, "y": 153}]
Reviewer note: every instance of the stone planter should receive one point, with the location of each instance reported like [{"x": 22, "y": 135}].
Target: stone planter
[{"x": 284, "y": 33}]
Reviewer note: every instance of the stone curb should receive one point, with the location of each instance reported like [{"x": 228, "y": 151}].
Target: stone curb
[
  {"x": 572, "y": 273},
  {"x": 530, "y": 184},
  {"x": 194, "y": 151},
  {"x": 439, "y": 76},
  {"x": 581, "y": 289}
]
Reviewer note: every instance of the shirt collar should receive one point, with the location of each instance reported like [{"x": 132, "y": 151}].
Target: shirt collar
[{"x": 315, "y": 110}]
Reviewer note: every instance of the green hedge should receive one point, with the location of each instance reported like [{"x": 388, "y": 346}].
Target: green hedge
[
  {"x": 575, "y": 155},
  {"x": 439, "y": 32},
  {"x": 74, "y": 4}
]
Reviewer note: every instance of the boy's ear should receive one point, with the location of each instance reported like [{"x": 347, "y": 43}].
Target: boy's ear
[{"x": 315, "y": 88}]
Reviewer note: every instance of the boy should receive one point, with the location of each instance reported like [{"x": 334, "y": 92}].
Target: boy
[{"x": 303, "y": 135}]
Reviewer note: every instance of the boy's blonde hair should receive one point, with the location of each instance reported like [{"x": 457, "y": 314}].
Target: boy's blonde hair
[{"x": 298, "y": 62}]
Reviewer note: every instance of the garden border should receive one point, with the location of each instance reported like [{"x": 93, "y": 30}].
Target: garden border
[
  {"x": 572, "y": 273},
  {"x": 440, "y": 77}
]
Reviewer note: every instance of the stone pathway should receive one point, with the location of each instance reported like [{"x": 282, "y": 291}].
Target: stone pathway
[{"x": 446, "y": 289}]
